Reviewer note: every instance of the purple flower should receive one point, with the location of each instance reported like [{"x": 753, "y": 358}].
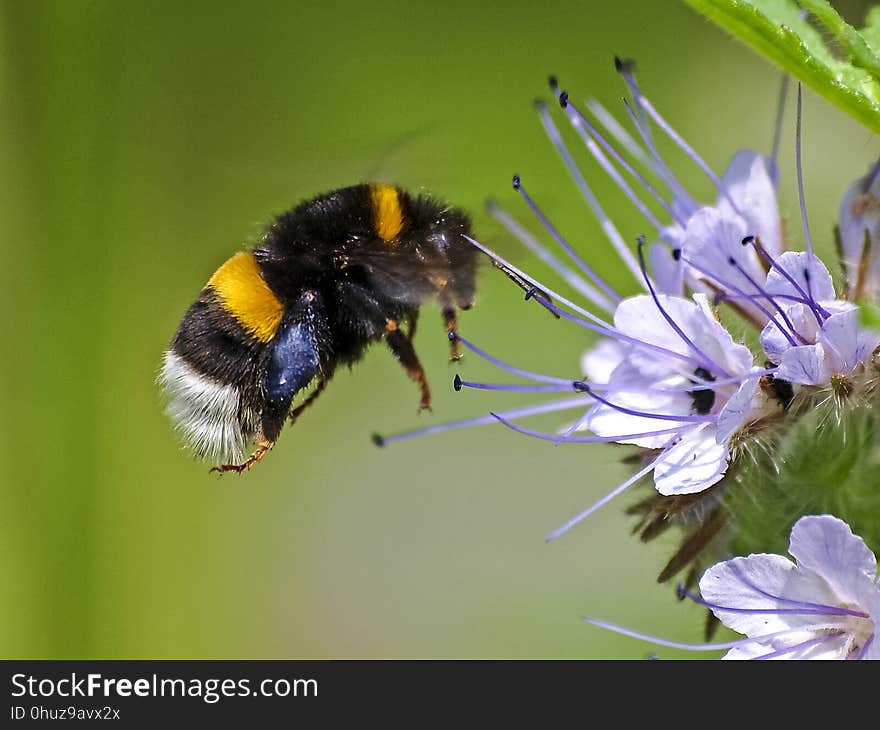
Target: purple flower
[
  {"x": 694, "y": 404},
  {"x": 824, "y": 605},
  {"x": 860, "y": 235},
  {"x": 816, "y": 336}
]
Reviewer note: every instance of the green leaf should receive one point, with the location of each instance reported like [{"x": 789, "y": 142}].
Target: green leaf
[
  {"x": 869, "y": 315},
  {"x": 777, "y": 29}
]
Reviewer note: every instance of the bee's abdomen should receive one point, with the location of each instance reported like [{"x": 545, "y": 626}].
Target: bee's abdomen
[{"x": 211, "y": 372}]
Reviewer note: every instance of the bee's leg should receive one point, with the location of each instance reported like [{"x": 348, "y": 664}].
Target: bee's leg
[
  {"x": 264, "y": 446},
  {"x": 319, "y": 388},
  {"x": 293, "y": 363},
  {"x": 402, "y": 347},
  {"x": 450, "y": 322},
  {"x": 411, "y": 321}
]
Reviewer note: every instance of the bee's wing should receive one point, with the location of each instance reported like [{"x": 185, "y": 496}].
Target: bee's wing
[{"x": 402, "y": 275}]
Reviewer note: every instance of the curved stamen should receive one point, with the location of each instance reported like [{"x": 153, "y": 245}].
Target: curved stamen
[
  {"x": 818, "y": 610},
  {"x": 557, "y": 533},
  {"x": 526, "y": 412},
  {"x": 819, "y": 312},
  {"x": 733, "y": 262},
  {"x": 506, "y": 366},
  {"x": 573, "y": 279},
  {"x": 625, "y": 69},
  {"x": 573, "y": 111},
  {"x": 503, "y": 419},
  {"x": 458, "y": 384},
  {"x": 724, "y": 283},
  {"x": 608, "y": 227},
  {"x": 602, "y": 327},
  {"x": 602, "y": 324},
  {"x": 612, "y": 172},
  {"x": 734, "y": 568},
  {"x": 687, "y": 149},
  {"x": 680, "y": 645},
  {"x": 777, "y": 132},
  {"x": 800, "y": 178},
  {"x": 646, "y": 414},
  {"x": 725, "y": 297},
  {"x": 616, "y": 130},
  {"x": 802, "y": 645},
  {"x": 597, "y": 280},
  {"x": 708, "y": 362}
]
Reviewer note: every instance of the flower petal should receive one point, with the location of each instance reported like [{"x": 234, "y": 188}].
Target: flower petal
[
  {"x": 667, "y": 273},
  {"x": 795, "y": 264},
  {"x": 748, "y": 182},
  {"x": 827, "y": 547},
  {"x": 802, "y": 319},
  {"x": 860, "y": 218},
  {"x": 599, "y": 361},
  {"x": 713, "y": 245},
  {"x": 804, "y": 364},
  {"x": 694, "y": 463},
  {"x": 846, "y": 345},
  {"x": 751, "y": 583},
  {"x": 736, "y": 411}
]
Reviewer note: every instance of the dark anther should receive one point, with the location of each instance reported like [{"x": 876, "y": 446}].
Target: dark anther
[
  {"x": 747, "y": 240},
  {"x": 453, "y": 336},
  {"x": 378, "y": 440},
  {"x": 516, "y": 182},
  {"x": 704, "y": 398},
  {"x": 580, "y": 386},
  {"x": 807, "y": 274},
  {"x": 531, "y": 292},
  {"x": 625, "y": 65},
  {"x": 540, "y": 105},
  {"x": 731, "y": 260},
  {"x": 676, "y": 254},
  {"x": 554, "y": 84},
  {"x": 563, "y": 99},
  {"x": 717, "y": 299},
  {"x": 681, "y": 591},
  {"x": 456, "y": 383}
]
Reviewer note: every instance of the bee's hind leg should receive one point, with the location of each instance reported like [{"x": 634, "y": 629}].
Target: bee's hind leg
[
  {"x": 264, "y": 446},
  {"x": 313, "y": 396},
  {"x": 402, "y": 348}
]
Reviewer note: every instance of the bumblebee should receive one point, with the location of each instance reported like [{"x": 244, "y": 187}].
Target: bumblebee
[{"x": 329, "y": 277}]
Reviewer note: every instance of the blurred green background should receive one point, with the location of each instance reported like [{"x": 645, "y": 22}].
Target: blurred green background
[{"x": 142, "y": 143}]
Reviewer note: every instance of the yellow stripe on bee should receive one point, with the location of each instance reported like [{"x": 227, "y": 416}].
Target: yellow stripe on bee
[
  {"x": 247, "y": 297},
  {"x": 387, "y": 213}
]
